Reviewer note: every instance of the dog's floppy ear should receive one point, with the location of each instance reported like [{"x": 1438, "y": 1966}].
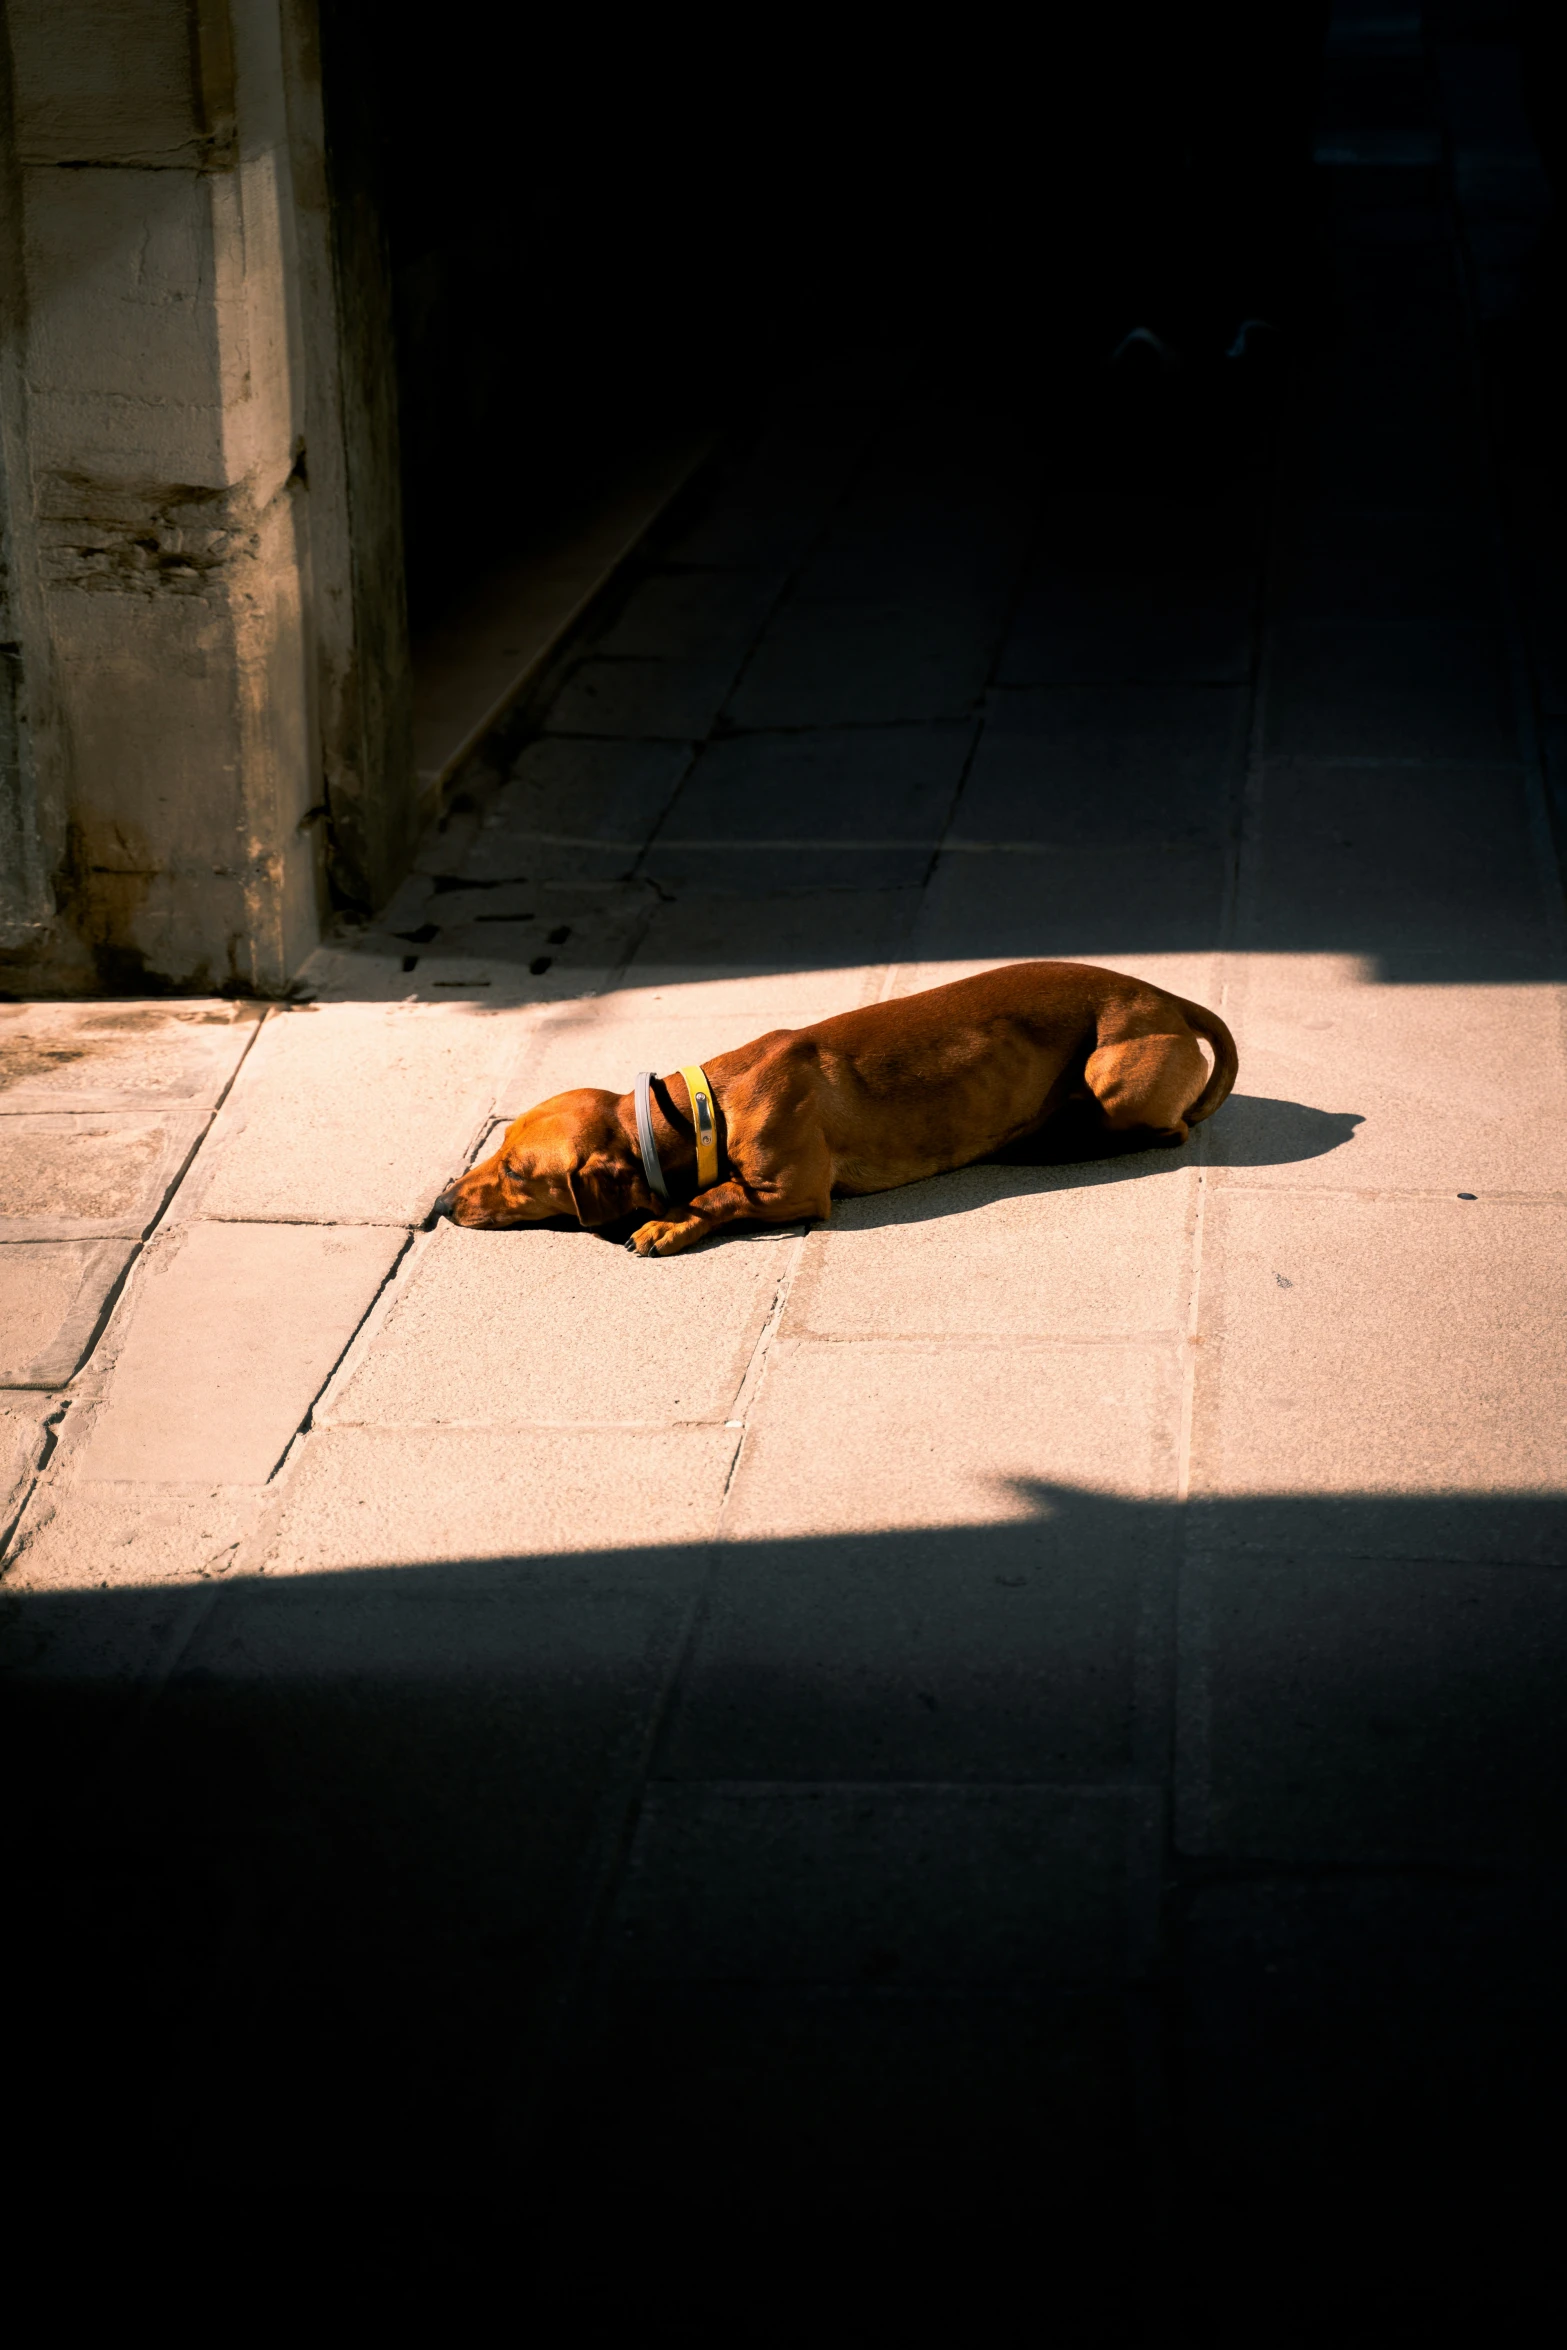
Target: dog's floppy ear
[{"x": 601, "y": 1190}]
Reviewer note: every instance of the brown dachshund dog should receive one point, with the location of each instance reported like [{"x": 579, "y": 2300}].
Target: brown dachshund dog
[{"x": 1078, "y": 1061}]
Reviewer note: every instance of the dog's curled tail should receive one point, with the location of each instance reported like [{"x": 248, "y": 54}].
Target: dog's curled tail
[{"x": 1226, "y": 1060}]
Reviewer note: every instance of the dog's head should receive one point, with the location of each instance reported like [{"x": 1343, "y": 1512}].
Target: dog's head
[{"x": 569, "y": 1156}]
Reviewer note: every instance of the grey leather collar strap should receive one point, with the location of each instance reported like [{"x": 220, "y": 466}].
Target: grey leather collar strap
[{"x": 651, "y": 1167}]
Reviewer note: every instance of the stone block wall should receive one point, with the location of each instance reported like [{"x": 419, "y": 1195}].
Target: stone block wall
[{"x": 183, "y": 612}]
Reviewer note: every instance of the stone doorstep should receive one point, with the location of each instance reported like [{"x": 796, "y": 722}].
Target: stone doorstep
[
  {"x": 49, "y": 1167},
  {"x": 54, "y": 1298}
]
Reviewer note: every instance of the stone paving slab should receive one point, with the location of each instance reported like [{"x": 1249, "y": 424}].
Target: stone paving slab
[
  {"x": 501, "y": 1329},
  {"x": 98, "y": 1174},
  {"x": 1113, "y": 598},
  {"x": 452, "y": 900},
  {"x": 945, "y": 507},
  {"x": 1102, "y": 767},
  {"x": 24, "y": 1439},
  {"x": 492, "y": 965},
  {"x": 1387, "y": 435},
  {"x": 500, "y": 1726},
  {"x": 85, "y": 1657},
  {"x": 841, "y": 1441},
  {"x": 866, "y": 664},
  {"x": 368, "y": 972},
  {"x": 1063, "y": 635},
  {"x": 789, "y": 863},
  {"x": 1452, "y": 1088},
  {"x": 1068, "y": 1252},
  {"x": 573, "y": 810},
  {"x": 1364, "y": 1346},
  {"x": 352, "y": 1113},
  {"x": 689, "y": 615},
  {"x": 849, "y": 807},
  {"x": 1028, "y": 1649},
  {"x": 819, "y": 949},
  {"x": 555, "y": 1656},
  {"x": 466, "y": 946},
  {"x": 776, "y": 500},
  {"x": 758, "y": 1883},
  {"x": 1343, "y": 562},
  {"x": 121, "y": 1056},
  {"x": 1401, "y": 862},
  {"x": 447, "y": 842},
  {"x": 826, "y": 782},
  {"x": 897, "y": 546},
  {"x": 53, "y": 1298},
  {"x": 1119, "y": 906},
  {"x": 1372, "y": 1709},
  {"x": 131, "y": 1536},
  {"x": 1404, "y": 689},
  {"x": 395, "y": 1497},
  {"x": 645, "y": 701},
  {"x": 922, "y": 524},
  {"x": 1547, "y": 575},
  {"x": 228, "y": 1334},
  {"x": 1316, "y": 2005},
  {"x": 876, "y": 2098}
]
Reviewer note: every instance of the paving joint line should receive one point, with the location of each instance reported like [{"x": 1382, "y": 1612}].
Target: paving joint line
[
  {"x": 1236, "y": 912},
  {"x": 306, "y": 1425},
  {"x": 50, "y": 1423},
  {"x": 521, "y": 1426},
  {"x": 991, "y": 1341},
  {"x": 1392, "y": 1191}
]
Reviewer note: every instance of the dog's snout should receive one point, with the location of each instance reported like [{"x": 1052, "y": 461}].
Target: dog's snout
[{"x": 445, "y": 1204}]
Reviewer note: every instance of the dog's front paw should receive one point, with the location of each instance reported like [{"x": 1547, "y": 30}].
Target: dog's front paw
[{"x": 644, "y": 1241}]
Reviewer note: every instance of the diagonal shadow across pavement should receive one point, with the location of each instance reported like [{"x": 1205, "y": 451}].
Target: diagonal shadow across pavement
[{"x": 943, "y": 1870}]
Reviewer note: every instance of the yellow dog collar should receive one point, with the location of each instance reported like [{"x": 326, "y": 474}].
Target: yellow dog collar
[{"x": 704, "y": 1116}]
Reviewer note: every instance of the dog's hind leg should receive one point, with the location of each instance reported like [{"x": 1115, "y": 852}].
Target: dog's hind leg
[{"x": 1147, "y": 1082}]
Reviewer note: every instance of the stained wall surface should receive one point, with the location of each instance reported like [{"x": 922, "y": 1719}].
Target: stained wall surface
[{"x": 182, "y": 632}]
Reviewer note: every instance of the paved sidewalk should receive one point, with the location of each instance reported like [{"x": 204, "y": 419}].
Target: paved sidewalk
[{"x": 1042, "y": 1689}]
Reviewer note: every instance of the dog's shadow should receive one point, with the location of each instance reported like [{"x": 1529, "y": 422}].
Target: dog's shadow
[{"x": 1252, "y": 1130}]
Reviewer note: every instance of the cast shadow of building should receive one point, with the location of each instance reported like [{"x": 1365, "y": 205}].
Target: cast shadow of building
[{"x": 1109, "y": 1859}]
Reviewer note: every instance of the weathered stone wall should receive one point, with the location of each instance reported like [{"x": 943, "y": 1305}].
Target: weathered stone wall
[
  {"x": 178, "y": 483},
  {"x": 31, "y": 821}
]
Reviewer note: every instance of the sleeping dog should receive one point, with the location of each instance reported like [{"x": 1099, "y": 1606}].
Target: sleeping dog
[{"x": 1055, "y": 1059}]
